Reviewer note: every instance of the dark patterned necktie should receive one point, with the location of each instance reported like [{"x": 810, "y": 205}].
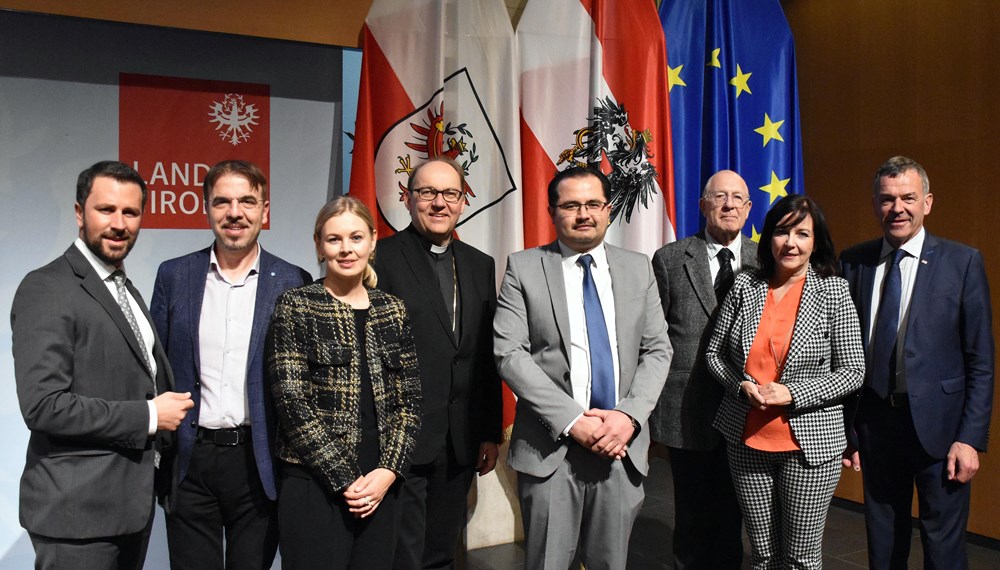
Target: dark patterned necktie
[
  {"x": 602, "y": 368},
  {"x": 119, "y": 278},
  {"x": 725, "y": 278},
  {"x": 886, "y": 327}
]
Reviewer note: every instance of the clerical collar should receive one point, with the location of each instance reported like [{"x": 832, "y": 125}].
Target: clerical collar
[{"x": 429, "y": 245}]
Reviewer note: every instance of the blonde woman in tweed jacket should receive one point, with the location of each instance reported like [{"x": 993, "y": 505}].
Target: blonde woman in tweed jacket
[
  {"x": 787, "y": 349},
  {"x": 347, "y": 394}
]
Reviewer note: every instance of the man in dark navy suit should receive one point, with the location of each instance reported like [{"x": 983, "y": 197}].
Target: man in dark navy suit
[
  {"x": 212, "y": 309},
  {"x": 924, "y": 412}
]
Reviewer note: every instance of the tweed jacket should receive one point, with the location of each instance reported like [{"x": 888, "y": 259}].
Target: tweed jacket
[
  {"x": 825, "y": 362},
  {"x": 314, "y": 371},
  {"x": 683, "y": 416}
]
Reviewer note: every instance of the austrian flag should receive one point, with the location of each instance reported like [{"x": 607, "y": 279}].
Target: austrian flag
[{"x": 594, "y": 92}]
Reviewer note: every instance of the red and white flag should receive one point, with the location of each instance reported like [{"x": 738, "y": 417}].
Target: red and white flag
[
  {"x": 594, "y": 91},
  {"x": 440, "y": 77}
]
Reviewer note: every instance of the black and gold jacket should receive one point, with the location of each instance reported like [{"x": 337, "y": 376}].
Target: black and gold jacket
[{"x": 313, "y": 367}]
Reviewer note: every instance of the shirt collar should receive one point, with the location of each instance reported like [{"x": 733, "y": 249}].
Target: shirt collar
[
  {"x": 103, "y": 269},
  {"x": 599, "y": 253},
  {"x": 213, "y": 261},
  {"x": 913, "y": 247},
  {"x": 715, "y": 247}
]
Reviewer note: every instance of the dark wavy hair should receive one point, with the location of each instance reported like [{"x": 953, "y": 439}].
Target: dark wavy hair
[
  {"x": 113, "y": 169},
  {"x": 824, "y": 256}
]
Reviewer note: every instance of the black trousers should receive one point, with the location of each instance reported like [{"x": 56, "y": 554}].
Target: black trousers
[
  {"x": 221, "y": 493},
  {"x": 892, "y": 462},
  {"x": 122, "y": 552},
  {"x": 318, "y": 532},
  {"x": 707, "y": 520},
  {"x": 433, "y": 507}
]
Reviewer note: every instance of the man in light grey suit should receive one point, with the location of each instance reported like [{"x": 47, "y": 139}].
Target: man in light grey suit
[
  {"x": 694, "y": 275},
  {"x": 580, "y": 338},
  {"x": 94, "y": 388}
]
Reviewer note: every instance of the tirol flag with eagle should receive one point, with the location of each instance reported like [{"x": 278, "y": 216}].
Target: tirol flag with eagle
[
  {"x": 439, "y": 77},
  {"x": 594, "y": 92}
]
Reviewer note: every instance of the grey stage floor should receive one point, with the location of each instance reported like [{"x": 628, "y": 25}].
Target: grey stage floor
[{"x": 843, "y": 544}]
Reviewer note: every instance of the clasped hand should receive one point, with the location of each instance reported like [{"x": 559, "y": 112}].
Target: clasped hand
[
  {"x": 760, "y": 397},
  {"x": 365, "y": 494},
  {"x": 604, "y": 432}
]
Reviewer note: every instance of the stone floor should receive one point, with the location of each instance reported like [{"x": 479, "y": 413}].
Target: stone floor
[{"x": 843, "y": 545}]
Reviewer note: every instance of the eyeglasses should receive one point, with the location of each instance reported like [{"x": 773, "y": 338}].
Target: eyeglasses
[
  {"x": 720, "y": 198},
  {"x": 574, "y": 207},
  {"x": 450, "y": 195}
]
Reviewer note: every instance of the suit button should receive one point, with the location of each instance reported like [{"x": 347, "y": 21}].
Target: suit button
[
  {"x": 194, "y": 423},
  {"x": 566, "y": 376},
  {"x": 196, "y": 384},
  {"x": 149, "y": 395},
  {"x": 822, "y": 360}
]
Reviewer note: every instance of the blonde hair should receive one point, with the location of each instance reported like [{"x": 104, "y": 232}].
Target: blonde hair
[{"x": 349, "y": 204}]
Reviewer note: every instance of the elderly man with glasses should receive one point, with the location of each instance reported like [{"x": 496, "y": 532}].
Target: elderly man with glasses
[{"x": 694, "y": 275}]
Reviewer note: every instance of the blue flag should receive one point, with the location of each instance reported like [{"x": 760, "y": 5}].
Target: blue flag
[{"x": 733, "y": 102}]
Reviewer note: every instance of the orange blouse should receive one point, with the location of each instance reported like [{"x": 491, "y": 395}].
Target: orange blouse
[{"x": 768, "y": 430}]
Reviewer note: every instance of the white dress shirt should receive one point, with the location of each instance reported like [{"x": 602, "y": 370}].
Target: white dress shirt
[
  {"x": 908, "y": 266},
  {"x": 224, "y": 329},
  {"x": 579, "y": 362},
  {"x": 715, "y": 247},
  {"x": 104, "y": 271}
]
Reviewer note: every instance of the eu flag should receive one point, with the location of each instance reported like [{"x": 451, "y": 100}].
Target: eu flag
[{"x": 733, "y": 102}]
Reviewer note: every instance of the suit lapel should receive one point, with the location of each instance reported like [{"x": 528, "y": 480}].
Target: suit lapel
[
  {"x": 197, "y": 273},
  {"x": 416, "y": 259},
  {"x": 925, "y": 276},
  {"x": 866, "y": 280},
  {"x": 466, "y": 292},
  {"x": 699, "y": 273},
  {"x": 266, "y": 283},
  {"x": 804, "y": 318},
  {"x": 552, "y": 268},
  {"x": 757, "y": 296},
  {"x": 97, "y": 289}
]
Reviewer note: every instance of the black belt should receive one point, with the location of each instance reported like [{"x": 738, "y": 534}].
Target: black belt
[
  {"x": 898, "y": 400},
  {"x": 227, "y": 437}
]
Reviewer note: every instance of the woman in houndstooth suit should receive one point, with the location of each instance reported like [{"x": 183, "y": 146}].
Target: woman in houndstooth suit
[{"x": 787, "y": 349}]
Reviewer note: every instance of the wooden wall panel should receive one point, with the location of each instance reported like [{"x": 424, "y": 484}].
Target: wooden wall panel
[
  {"x": 910, "y": 77},
  {"x": 330, "y": 22}
]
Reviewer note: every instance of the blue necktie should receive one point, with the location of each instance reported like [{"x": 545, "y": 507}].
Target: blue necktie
[
  {"x": 602, "y": 368},
  {"x": 886, "y": 326}
]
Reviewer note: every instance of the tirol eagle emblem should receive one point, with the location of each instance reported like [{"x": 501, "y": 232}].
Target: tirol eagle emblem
[
  {"x": 633, "y": 176},
  {"x": 234, "y": 117},
  {"x": 436, "y": 138}
]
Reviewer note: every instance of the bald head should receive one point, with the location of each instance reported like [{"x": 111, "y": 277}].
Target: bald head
[{"x": 725, "y": 203}]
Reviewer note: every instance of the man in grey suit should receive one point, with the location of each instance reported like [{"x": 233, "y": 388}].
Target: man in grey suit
[
  {"x": 94, "y": 387},
  {"x": 580, "y": 338},
  {"x": 694, "y": 275}
]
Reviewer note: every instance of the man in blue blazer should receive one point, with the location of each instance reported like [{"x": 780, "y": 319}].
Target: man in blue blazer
[
  {"x": 212, "y": 309},
  {"x": 924, "y": 412}
]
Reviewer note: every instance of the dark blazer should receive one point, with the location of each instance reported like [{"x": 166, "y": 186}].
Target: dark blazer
[
  {"x": 458, "y": 377},
  {"x": 82, "y": 386},
  {"x": 825, "y": 361},
  {"x": 691, "y": 396},
  {"x": 949, "y": 340},
  {"x": 314, "y": 370},
  {"x": 176, "y": 309}
]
